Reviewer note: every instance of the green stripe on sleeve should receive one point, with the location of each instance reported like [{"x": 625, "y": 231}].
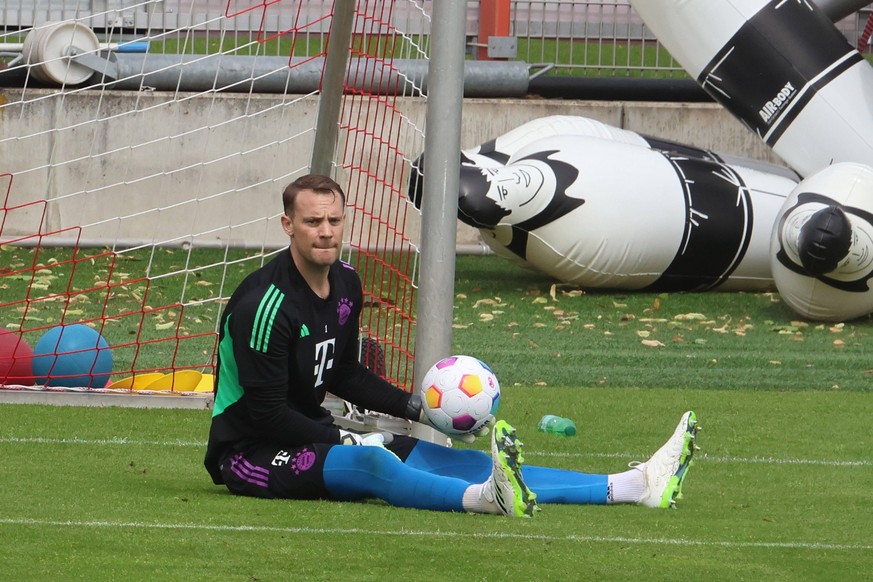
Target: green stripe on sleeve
[{"x": 264, "y": 318}]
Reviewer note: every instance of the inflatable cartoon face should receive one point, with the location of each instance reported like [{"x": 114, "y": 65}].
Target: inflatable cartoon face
[
  {"x": 517, "y": 187},
  {"x": 514, "y": 193},
  {"x": 822, "y": 245}
]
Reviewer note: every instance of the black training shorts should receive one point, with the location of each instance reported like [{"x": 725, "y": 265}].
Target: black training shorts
[{"x": 295, "y": 473}]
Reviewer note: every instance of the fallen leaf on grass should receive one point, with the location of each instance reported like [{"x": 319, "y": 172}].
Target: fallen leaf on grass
[
  {"x": 689, "y": 316},
  {"x": 652, "y": 344}
]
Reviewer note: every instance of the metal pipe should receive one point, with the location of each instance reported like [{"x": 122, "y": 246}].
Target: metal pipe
[
  {"x": 619, "y": 89},
  {"x": 274, "y": 75},
  {"x": 124, "y": 47}
]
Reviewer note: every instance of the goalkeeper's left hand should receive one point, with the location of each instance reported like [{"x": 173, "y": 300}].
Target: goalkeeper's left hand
[
  {"x": 471, "y": 437},
  {"x": 415, "y": 411}
]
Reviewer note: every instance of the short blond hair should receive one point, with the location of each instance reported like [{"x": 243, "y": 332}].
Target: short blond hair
[{"x": 314, "y": 182}]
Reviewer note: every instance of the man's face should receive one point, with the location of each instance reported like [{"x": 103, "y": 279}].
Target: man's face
[{"x": 315, "y": 228}]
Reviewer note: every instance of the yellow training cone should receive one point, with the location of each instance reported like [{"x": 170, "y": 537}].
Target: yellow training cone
[
  {"x": 206, "y": 383},
  {"x": 135, "y": 382},
  {"x": 181, "y": 381}
]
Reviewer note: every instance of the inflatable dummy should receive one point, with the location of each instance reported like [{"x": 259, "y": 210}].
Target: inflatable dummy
[
  {"x": 822, "y": 245},
  {"x": 781, "y": 67},
  {"x": 784, "y": 70},
  {"x": 603, "y": 207}
]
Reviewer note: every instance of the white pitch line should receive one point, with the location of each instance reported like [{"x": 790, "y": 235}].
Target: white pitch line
[
  {"x": 716, "y": 459},
  {"x": 530, "y": 454},
  {"x": 110, "y": 441},
  {"x": 434, "y": 534}
]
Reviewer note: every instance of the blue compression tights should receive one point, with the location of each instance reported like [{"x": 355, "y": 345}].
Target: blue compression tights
[
  {"x": 353, "y": 473},
  {"x": 550, "y": 485}
]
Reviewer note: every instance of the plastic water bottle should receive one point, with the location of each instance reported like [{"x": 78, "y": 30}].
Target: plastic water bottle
[{"x": 557, "y": 425}]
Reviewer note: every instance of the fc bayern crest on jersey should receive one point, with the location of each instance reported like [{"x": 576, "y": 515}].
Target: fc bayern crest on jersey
[{"x": 344, "y": 310}]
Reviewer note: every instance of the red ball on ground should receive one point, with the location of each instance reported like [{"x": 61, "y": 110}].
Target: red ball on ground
[{"x": 16, "y": 359}]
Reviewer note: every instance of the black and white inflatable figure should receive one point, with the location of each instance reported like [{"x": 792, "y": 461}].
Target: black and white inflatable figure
[
  {"x": 603, "y": 207},
  {"x": 822, "y": 246},
  {"x": 784, "y": 70},
  {"x": 779, "y": 66}
]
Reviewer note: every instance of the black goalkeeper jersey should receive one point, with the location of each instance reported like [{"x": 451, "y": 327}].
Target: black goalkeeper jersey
[{"x": 280, "y": 349}]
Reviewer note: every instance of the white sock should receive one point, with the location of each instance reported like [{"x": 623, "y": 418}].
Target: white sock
[
  {"x": 479, "y": 498},
  {"x": 626, "y": 487}
]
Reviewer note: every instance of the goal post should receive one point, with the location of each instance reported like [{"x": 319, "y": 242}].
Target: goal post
[
  {"x": 332, "y": 87},
  {"x": 133, "y": 202},
  {"x": 439, "y": 206}
]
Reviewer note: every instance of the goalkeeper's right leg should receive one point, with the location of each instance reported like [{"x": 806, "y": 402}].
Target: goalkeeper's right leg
[
  {"x": 505, "y": 491},
  {"x": 512, "y": 494}
]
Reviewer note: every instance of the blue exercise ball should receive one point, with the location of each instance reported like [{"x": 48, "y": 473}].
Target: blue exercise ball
[{"x": 72, "y": 356}]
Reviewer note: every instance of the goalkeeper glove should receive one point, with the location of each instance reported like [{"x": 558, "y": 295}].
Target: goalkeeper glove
[{"x": 415, "y": 411}]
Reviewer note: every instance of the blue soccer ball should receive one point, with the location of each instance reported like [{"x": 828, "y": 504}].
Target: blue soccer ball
[{"x": 72, "y": 356}]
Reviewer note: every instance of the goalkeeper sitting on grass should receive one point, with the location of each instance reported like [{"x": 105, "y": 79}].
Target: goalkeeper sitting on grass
[{"x": 289, "y": 334}]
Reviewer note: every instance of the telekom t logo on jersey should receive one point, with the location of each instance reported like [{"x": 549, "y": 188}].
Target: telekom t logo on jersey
[{"x": 323, "y": 358}]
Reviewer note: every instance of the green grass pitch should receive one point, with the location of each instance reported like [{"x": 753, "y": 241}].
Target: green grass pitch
[{"x": 781, "y": 490}]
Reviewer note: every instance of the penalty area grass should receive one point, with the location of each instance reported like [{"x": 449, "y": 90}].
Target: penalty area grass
[{"x": 780, "y": 490}]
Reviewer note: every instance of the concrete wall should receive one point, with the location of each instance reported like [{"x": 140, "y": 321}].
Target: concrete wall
[{"x": 215, "y": 165}]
